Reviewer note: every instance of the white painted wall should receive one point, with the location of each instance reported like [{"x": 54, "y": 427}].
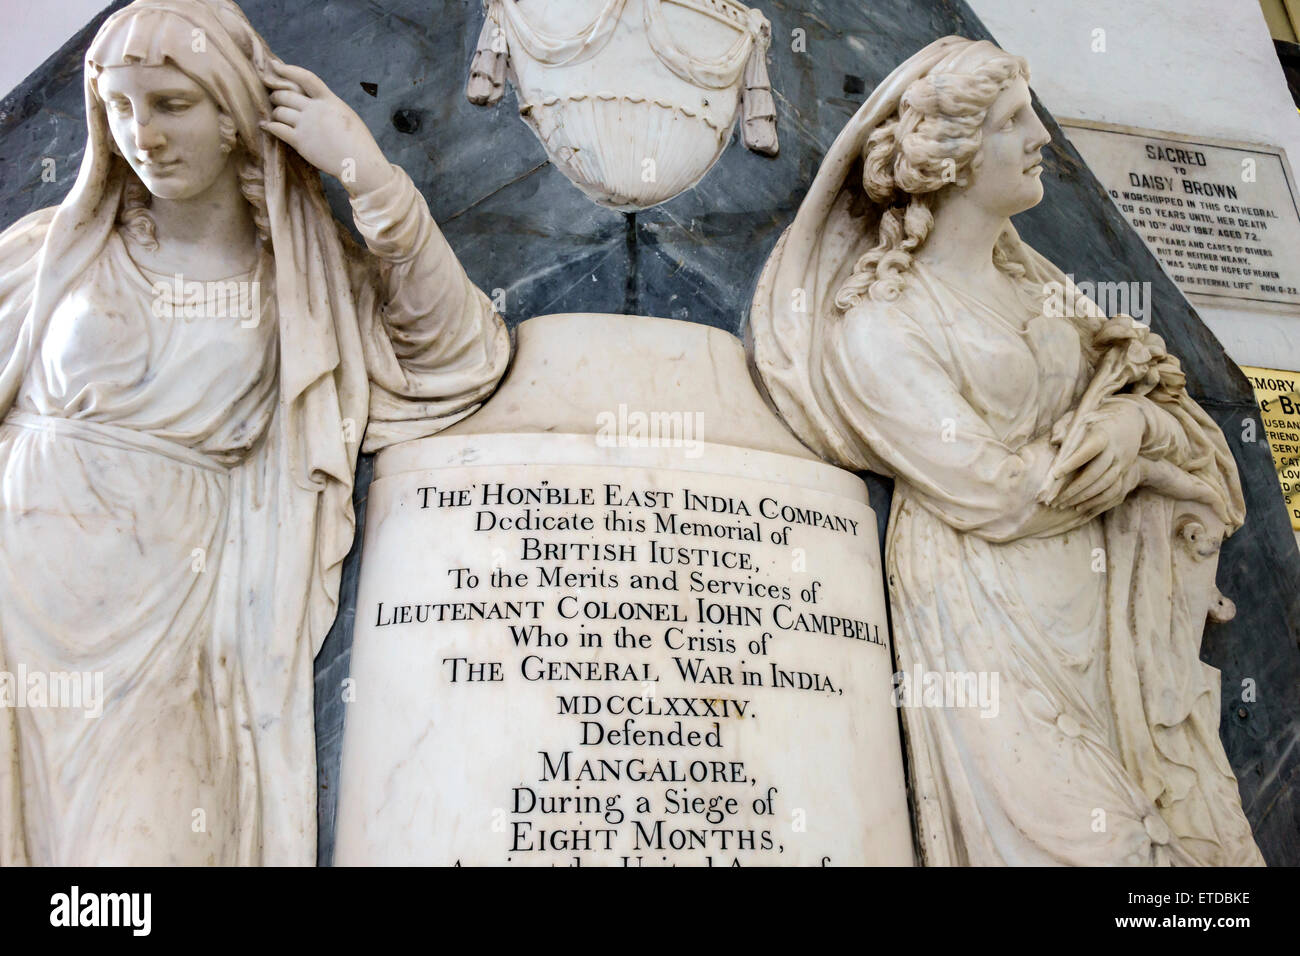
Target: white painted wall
[
  {"x": 1203, "y": 67},
  {"x": 34, "y": 29}
]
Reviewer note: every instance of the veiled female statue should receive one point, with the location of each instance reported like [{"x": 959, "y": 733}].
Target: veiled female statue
[
  {"x": 1059, "y": 500},
  {"x": 176, "y": 473}
]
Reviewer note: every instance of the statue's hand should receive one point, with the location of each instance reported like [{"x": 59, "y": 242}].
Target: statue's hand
[
  {"x": 325, "y": 131},
  {"x": 1106, "y": 457},
  {"x": 1171, "y": 481}
]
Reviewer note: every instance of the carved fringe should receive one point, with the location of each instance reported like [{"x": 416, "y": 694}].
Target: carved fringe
[
  {"x": 758, "y": 109},
  {"x": 487, "y": 71}
]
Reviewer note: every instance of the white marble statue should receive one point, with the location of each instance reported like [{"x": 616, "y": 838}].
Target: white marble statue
[
  {"x": 633, "y": 100},
  {"x": 1059, "y": 499},
  {"x": 191, "y": 351}
]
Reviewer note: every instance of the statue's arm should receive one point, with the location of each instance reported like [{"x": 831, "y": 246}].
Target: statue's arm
[
  {"x": 1164, "y": 437},
  {"x": 434, "y": 346},
  {"x": 1182, "y": 453},
  {"x": 902, "y": 404},
  {"x": 435, "y": 317}
]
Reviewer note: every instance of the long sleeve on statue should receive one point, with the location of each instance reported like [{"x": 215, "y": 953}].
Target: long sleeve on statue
[
  {"x": 1163, "y": 436},
  {"x": 437, "y": 348},
  {"x": 904, "y": 407}
]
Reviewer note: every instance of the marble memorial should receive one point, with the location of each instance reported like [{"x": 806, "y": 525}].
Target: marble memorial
[
  {"x": 1223, "y": 217},
  {"x": 1059, "y": 499},
  {"x": 620, "y": 619},
  {"x": 634, "y": 100},
  {"x": 625, "y": 603},
  {"x": 183, "y": 415}
]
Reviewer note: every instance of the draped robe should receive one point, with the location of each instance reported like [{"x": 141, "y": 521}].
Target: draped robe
[
  {"x": 1101, "y": 745},
  {"x": 175, "y": 493},
  {"x": 956, "y": 400}
]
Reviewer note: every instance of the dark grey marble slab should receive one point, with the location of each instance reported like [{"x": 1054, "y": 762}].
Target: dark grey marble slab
[{"x": 518, "y": 225}]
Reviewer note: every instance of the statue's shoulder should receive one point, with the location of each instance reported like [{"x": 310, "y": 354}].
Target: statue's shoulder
[
  {"x": 873, "y": 323},
  {"x": 23, "y": 240}
]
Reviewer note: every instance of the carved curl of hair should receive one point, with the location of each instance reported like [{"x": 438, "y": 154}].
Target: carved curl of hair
[
  {"x": 931, "y": 142},
  {"x": 133, "y": 216}
]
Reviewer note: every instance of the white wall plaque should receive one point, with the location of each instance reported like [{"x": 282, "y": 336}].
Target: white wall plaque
[
  {"x": 1222, "y": 216},
  {"x": 620, "y": 648}
]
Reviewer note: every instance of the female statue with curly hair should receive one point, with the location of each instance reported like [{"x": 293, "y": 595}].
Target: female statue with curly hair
[
  {"x": 177, "y": 471},
  {"x": 1059, "y": 499}
]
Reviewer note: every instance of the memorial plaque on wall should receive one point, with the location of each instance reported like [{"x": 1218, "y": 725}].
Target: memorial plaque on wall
[
  {"x": 1278, "y": 394},
  {"x": 1222, "y": 216},
  {"x": 662, "y": 642}
]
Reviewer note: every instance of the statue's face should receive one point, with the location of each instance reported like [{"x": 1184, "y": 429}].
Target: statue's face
[
  {"x": 167, "y": 127},
  {"x": 1006, "y": 178}
]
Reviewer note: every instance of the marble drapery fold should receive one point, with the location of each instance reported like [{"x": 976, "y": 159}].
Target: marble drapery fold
[
  {"x": 391, "y": 344},
  {"x": 1105, "y": 747}
]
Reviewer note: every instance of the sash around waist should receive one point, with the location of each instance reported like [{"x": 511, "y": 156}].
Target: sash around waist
[{"x": 114, "y": 436}]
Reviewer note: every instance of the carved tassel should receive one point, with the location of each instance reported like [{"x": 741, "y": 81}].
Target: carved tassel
[
  {"x": 487, "y": 71},
  {"x": 758, "y": 109}
]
